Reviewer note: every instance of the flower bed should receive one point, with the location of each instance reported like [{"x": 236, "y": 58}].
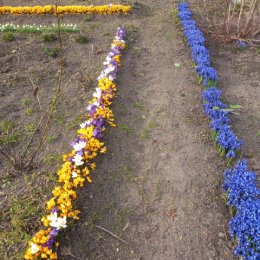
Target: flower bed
[
  {"x": 33, "y": 28},
  {"x": 240, "y": 183},
  {"x": 62, "y": 10},
  {"x": 77, "y": 165}
]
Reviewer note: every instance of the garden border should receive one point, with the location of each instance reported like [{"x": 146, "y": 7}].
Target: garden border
[{"x": 240, "y": 183}]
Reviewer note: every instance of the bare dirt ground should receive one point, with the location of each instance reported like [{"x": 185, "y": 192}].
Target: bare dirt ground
[
  {"x": 159, "y": 185},
  {"x": 240, "y": 81}
]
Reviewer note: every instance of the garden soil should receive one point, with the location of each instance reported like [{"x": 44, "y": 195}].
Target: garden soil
[{"x": 157, "y": 191}]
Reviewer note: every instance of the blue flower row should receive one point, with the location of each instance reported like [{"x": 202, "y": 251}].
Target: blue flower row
[
  {"x": 240, "y": 183},
  {"x": 243, "y": 196},
  {"x": 215, "y": 109}
]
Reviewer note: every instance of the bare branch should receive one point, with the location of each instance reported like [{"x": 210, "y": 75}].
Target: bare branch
[
  {"x": 56, "y": 97},
  {"x": 252, "y": 9},
  {"x": 240, "y": 14}
]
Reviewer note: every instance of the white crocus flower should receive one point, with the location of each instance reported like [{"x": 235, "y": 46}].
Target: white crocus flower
[
  {"x": 62, "y": 222},
  {"x": 112, "y": 67},
  {"x": 89, "y": 107},
  {"x": 34, "y": 248},
  {"x": 106, "y": 71},
  {"x": 110, "y": 77},
  {"x": 96, "y": 103},
  {"x": 79, "y": 146},
  {"x": 98, "y": 93},
  {"x": 109, "y": 69},
  {"x": 77, "y": 160},
  {"x": 101, "y": 76},
  {"x": 84, "y": 124},
  {"x": 53, "y": 216},
  {"x": 57, "y": 222},
  {"x": 74, "y": 175},
  {"x": 108, "y": 59}
]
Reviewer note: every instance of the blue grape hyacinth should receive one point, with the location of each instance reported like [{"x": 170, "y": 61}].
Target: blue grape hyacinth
[{"x": 243, "y": 194}]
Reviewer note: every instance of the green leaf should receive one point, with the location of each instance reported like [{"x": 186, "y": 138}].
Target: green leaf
[
  {"x": 177, "y": 65},
  {"x": 235, "y": 106},
  {"x": 200, "y": 79}
]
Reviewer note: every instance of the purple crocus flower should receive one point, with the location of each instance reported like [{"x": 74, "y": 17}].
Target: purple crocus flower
[
  {"x": 92, "y": 111},
  {"x": 54, "y": 210},
  {"x": 54, "y": 232},
  {"x": 98, "y": 122},
  {"x": 81, "y": 152},
  {"x": 50, "y": 242},
  {"x": 97, "y": 133}
]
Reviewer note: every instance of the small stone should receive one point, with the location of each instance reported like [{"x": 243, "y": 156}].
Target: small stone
[{"x": 221, "y": 235}]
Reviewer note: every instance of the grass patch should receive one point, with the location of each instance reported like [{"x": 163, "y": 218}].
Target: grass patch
[
  {"x": 22, "y": 214},
  {"x": 8, "y": 37},
  {"x": 28, "y": 111},
  {"x": 93, "y": 218},
  {"x": 8, "y": 135},
  {"x": 122, "y": 215},
  {"x": 126, "y": 128},
  {"x": 51, "y": 52},
  {"x": 81, "y": 39},
  {"x": 49, "y": 37},
  {"x": 174, "y": 14},
  {"x": 26, "y": 102},
  {"x": 132, "y": 32},
  {"x": 53, "y": 159},
  {"x": 29, "y": 128},
  {"x": 147, "y": 130},
  {"x": 159, "y": 189},
  {"x": 87, "y": 18},
  {"x": 127, "y": 171}
]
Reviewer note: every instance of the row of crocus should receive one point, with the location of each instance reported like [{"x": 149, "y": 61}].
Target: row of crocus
[
  {"x": 33, "y": 28},
  {"x": 239, "y": 183},
  {"x": 77, "y": 165},
  {"x": 62, "y": 10}
]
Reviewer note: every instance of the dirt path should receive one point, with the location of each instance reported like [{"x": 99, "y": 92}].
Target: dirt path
[{"x": 158, "y": 187}]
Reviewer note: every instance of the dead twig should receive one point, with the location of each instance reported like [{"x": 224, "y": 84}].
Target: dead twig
[
  {"x": 31, "y": 140},
  {"x": 35, "y": 91},
  {"x": 240, "y": 14},
  {"x": 112, "y": 234},
  {"x": 250, "y": 15},
  {"x": 35, "y": 88}
]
